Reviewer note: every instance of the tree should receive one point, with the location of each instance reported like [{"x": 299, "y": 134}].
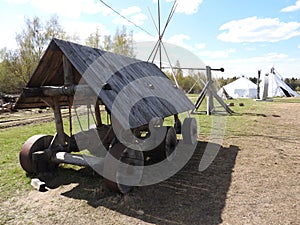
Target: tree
[
  {"x": 228, "y": 80},
  {"x": 18, "y": 65},
  {"x": 123, "y": 43},
  {"x": 93, "y": 39},
  {"x": 253, "y": 79},
  {"x": 54, "y": 30},
  {"x": 179, "y": 74},
  {"x": 11, "y": 80},
  {"x": 294, "y": 83},
  {"x": 190, "y": 83},
  {"x": 107, "y": 43}
]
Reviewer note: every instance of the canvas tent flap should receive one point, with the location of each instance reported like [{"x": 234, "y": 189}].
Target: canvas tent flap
[
  {"x": 135, "y": 86},
  {"x": 240, "y": 88},
  {"x": 277, "y": 87}
]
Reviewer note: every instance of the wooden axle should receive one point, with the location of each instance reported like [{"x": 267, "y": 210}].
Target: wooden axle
[{"x": 77, "y": 159}]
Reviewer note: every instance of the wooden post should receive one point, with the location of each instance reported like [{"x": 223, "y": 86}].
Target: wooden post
[
  {"x": 58, "y": 121},
  {"x": 266, "y": 87},
  {"x": 68, "y": 73},
  {"x": 210, "y": 100},
  {"x": 98, "y": 114},
  {"x": 211, "y": 93},
  {"x": 258, "y": 88}
]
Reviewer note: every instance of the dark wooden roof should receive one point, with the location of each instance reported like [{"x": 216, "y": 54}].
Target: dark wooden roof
[{"x": 141, "y": 86}]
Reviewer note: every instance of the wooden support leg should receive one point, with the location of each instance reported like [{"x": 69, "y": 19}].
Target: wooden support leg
[
  {"x": 98, "y": 114},
  {"x": 58, "y": 122}
]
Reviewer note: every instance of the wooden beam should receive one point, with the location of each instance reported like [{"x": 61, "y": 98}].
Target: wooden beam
[
  {"x": 68, "y": 73},
  {"x": 98, "y": 114},
  {"x": 53, "y": 91}
]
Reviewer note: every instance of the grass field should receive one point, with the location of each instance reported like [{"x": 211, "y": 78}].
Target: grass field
[
  {"x": 243, "y": 127},
  {"x": 13, "y": 181},
  {"x": 12, "y": 177}
]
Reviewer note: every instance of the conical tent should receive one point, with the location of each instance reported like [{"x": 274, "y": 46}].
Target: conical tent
[
  {"x": 278, "y": 88},
  {"x": 240, "y": 88}
]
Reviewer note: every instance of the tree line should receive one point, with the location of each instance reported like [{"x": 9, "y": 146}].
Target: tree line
[
  {"x": 17, "y": 66},
  {"x": 294, "y": 83}
]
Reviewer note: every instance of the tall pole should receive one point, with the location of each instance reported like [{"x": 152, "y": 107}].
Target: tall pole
[
  {"x": 210, "y": 101},
  {"x": 159, "y": 33},
  {"x": 258, "y": 79}
]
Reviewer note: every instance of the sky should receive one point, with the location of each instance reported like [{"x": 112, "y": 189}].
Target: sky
[{"x": 240, "y": 36}]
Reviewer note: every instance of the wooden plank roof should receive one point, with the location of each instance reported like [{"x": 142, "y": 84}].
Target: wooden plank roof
[{"x": 135, "y": 86}]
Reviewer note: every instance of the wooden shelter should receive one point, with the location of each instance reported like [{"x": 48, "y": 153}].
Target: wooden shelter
[
  {"x": 66, "y": 67},
  {"x": 133, "y": 92}
]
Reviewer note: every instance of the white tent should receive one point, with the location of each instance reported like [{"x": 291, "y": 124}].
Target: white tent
[
  {"x": 277, "y": 87},
  {"x": 240, "y": 88}
]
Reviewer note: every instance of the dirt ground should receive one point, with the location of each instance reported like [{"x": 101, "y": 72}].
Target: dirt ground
[{"x": 253, "y": 180}]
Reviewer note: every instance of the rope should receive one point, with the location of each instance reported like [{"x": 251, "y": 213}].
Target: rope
[{"x": 108, "y": 6}]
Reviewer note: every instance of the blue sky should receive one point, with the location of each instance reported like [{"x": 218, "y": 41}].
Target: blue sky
[{"x": 241, "y": 36}]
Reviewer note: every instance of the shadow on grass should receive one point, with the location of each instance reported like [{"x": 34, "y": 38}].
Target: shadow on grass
[
  {"x": 189, "y": 197},
  {"x": 255, "y": 114}
]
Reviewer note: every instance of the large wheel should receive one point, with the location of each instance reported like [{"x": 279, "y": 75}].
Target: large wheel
[
  {"x": 126, "y": 167},
  {"x": 189, "y": 131},
  {"x": 164, "y": 150},
  {"x": 34, "y": 144},
  {"x": 170, "y": 143}
]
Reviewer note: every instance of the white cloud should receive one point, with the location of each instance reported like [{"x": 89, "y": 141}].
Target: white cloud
[
  {"x": 200, "y": 45},
  {"x": 143, "y": 37},
  {"x": 250, "y": 65},
  {"x": 134, "y": 14},
  {"x": 187, "y": 6},
  {"x": 219, "y": 54},
  {"x": 271, "y": 57},
  {"x": 131, "y": 10},
  {"x": 17, "y": 1},
  {"x": 84, "y": 29},
  {"x": 255, "y": 29},
  {"x": 179, "y": 40},
  {"x": 298, "y": 46},
  {"x": 292, "y": 8},
  {"x": 139, "y": 19},
  {"x": 286, "y": 65},
  {"x": 66, "y": 8}
]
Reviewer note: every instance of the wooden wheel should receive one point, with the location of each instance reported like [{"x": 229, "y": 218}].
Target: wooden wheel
[
  {"x": 34, "y": 144},
  {"x": 189, "y": 131},
  {"x": 124, "y": 168},
  {"x": 164, "y": 150},
  {"x": 170, "y": 142}
]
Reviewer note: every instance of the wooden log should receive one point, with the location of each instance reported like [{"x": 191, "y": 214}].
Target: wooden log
[
  {"x": 77, "y": 159},
  {"x": 52, "y": 91}
]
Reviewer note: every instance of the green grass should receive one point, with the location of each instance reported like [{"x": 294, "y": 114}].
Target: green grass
[
  {"x": 244, "y": 121},
  {"x": 12, "y": 176}
]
